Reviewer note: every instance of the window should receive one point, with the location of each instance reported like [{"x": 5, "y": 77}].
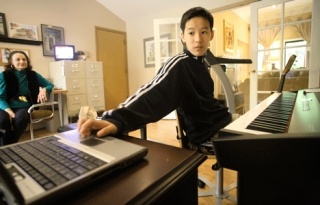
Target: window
[{"x": 299, "y": 49}]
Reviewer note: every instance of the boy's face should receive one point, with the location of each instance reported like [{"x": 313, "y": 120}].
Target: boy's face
[{"x": 197, "y": 35}]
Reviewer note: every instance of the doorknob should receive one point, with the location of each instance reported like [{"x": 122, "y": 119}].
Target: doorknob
[{"x": 253, "y": 71}]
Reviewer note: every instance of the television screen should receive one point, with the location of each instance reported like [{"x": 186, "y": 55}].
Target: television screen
[{"x": 64, "y": 52}]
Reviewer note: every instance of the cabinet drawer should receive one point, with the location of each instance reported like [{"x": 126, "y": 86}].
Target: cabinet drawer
[
  {"x": 75, "y": 102},
  {"x": 74, "y": 70},
  {"x": 96, "y": 99},
  {"x": 94, "y": 69},
  {"x": 95, "y": 85},
  {"x": 76, "y": 86}
]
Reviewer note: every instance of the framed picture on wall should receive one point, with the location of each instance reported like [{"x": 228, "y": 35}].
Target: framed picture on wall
[
  {"x": 23, "y": 31},
  {"x": 3, "y": 25},
  {"x": 149, "y": 53},
  {"x": 228, "y": 32},
  {"x": 51, "y": 35}
]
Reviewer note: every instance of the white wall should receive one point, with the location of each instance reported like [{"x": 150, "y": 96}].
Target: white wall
[{"x": 77, "y": 17}]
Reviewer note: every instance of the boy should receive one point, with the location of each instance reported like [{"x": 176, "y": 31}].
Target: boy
[{"x": 183, "y": 83}]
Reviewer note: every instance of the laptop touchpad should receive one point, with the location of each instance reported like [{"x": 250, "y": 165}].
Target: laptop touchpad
[{"x": 92, "y": 142}]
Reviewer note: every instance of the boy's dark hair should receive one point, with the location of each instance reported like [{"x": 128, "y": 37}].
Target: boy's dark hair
[{"x": 196, "y": 12}]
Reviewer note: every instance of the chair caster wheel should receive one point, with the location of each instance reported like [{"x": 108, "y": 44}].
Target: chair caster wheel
[{"x": 201, "y": 184}]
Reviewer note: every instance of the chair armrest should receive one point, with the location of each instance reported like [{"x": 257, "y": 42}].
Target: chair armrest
[
  {"x": 41, "y": 105},
  {"x": 37, "y": 115}
]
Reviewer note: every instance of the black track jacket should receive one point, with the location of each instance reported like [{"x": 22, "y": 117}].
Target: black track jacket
[{"x": 182, "y": 83}]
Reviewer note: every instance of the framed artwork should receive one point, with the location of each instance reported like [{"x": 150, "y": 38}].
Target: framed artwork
[
  {"x": 228, "y": 31},
  {"x": 51, "y": 35},
  {"x": 149, "y": 53},
  {"x": 4, "y": 54},
  {"x": 23, "y": 31},
  {"x": 3, "y": 25}
]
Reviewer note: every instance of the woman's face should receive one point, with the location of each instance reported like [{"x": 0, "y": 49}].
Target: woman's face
[
  {"x": 197, "y": 35},
  {"x": 19, "y": 61}
]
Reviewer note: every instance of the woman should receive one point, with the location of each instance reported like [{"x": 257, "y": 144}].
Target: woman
[{"x": 20, "y": 87}]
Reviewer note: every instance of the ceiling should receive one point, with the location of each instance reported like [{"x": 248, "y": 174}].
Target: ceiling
[{"x": 126, "y": 9}]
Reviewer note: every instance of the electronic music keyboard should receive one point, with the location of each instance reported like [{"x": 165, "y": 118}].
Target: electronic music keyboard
[{"x": 286, "y": 112}]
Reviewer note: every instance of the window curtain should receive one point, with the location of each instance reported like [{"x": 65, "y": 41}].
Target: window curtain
[
  {"x": 304, "y": 30},
  {"x": 266, "y": 38}
]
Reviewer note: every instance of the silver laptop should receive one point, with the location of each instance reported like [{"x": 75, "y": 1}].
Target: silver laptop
[{"x": 49, "y": 167}]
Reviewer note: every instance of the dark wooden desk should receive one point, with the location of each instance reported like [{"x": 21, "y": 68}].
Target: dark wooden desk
[{"x": 167, "y": 175}]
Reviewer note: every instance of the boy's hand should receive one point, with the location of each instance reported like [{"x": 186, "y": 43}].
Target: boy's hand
[{"x": 103, "y": 127}]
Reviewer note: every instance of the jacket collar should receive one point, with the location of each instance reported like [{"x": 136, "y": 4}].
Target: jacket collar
[{"x": 198, "y": 58}]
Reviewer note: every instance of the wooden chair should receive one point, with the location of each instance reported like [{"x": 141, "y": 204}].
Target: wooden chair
[{"x": 41, "y": 112}]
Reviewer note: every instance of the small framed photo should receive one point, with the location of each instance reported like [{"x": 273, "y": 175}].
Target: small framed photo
[
  {"x": 149, "y": 55},
  {"x": 23, "y": 31},
  {"x": 3, "y": 25},
  {"x": 5, "y": 52},
  {"x": 51, "y": 36}
]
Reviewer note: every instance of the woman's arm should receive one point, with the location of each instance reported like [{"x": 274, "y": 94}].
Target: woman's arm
[
  {"x": 3, "y": 93},
  {"x": 44, "y": 83}
]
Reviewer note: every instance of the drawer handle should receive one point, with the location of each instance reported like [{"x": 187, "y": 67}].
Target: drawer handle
[
  {"x": 74, "y": 87},
  {"x": 73, "y": 70}
]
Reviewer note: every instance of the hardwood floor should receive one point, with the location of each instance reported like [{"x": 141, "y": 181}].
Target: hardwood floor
[{"x": 164, "y": 132}]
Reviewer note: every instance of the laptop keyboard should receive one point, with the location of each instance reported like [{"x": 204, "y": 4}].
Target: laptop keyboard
[{"x": 50, "y": 162}]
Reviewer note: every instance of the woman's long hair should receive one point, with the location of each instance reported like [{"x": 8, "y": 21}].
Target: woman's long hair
[{"x": 9, "y": 65}]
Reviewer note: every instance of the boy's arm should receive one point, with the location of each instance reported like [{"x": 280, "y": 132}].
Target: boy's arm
[{"x": 158, "y": 99}]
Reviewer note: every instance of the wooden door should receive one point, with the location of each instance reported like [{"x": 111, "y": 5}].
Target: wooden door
[{"x": 112, "y": 51}]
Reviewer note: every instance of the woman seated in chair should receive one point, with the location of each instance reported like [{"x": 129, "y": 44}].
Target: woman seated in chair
[
  {"x": 183, "y": 83},
  {"x": 19, "y": 89}
]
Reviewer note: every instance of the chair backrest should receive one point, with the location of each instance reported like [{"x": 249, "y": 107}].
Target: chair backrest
[{"x": 180, "y": 132}]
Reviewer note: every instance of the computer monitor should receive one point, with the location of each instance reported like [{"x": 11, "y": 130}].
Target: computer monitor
[{"x": 64, "y": 52}]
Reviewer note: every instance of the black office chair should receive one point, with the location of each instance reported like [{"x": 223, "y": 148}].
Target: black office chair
[{"x": 217, "y": 190}]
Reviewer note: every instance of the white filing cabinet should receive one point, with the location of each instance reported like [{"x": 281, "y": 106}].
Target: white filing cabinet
[{"x": 84, "y": 82}]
